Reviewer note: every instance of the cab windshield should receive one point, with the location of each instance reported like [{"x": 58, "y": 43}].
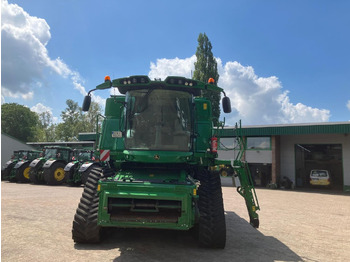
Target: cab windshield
[
  {"x": 158, "y": 119},
  {"x": 83, "y": 156},
  {"x": 50, "y": 153}
]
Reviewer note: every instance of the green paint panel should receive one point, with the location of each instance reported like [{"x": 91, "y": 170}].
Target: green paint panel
[
  {"x": 160, "y": 157},
  {"x": 146, "y": 204},
  {"x": 114, "y": 106},
  {"x": 203, "y": 126}
]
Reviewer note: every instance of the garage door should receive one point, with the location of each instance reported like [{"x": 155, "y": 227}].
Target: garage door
[{"x": 319, "y": 156}]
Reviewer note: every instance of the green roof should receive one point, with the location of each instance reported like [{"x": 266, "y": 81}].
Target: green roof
[
  {"x": 87, "y": 136},
  {"x": 289, "y": 129}
]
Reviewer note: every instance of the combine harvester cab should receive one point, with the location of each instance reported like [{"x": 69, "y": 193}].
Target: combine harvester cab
[{"x": 160, "y": 148}]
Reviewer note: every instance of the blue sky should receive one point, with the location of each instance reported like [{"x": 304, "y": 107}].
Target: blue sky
[{"x": 279, "y": 61}]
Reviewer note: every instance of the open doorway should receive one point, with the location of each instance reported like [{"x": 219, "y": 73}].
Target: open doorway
[
  {"x": 261, "y": 174},
  {"x": 318, "y": 156}
]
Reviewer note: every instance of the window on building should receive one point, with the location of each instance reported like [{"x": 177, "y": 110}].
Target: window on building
[
  {"x": 258, "y": 143},
  {"x": 228, "y": 143}
]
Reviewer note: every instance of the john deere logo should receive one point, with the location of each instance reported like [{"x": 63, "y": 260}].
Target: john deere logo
[{"x": 156, "y": 157}]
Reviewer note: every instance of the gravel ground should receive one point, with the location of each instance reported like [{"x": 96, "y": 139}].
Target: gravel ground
[{"x": 36, "y": 222}]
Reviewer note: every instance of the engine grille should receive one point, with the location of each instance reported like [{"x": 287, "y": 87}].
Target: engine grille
[{"x": 144, "y": 210}]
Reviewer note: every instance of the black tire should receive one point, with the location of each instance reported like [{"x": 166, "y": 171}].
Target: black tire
[
  {"x": 85, "y": 174},
  {"x": 32, "y": 176},
  {"x": 70, "y": 176},
  {"x": 22, "y": 173},
  {"x": 7, "y": 172},
  {"x": 212, "y": 225},
  {"x": 55, "y": 175},
  {"x": 85, "y": 228}
]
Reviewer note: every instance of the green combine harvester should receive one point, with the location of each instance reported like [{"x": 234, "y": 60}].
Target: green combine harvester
[{"x": 160, "y": 150}]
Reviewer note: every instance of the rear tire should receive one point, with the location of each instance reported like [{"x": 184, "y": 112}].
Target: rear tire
[
  {"x": 212, "y": 225},
  {"x": 85, "y": 228},
  {"x": 22, "y": 173},
  {"x": 55, "y": 175}
]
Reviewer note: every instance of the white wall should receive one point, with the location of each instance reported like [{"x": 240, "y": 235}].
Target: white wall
[
  {"x": 252, "y": 156},
  {"x": 8, "y": 145}
]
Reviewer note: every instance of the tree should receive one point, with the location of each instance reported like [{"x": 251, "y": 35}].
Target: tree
[
  {"x": 18, "y": 121},
  {"x": 90, "y": 118},
  {"x": 68, "y": 130},
  {"x": 74, "y": 122},
  {"x": 47, "y": 128},
  {"x": 205, "y": 68}
]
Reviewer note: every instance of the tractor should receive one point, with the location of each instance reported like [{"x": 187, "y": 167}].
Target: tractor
[
  {"x": 5, "y": 174},
  {"x": 49, "y": 169},
  {"x": 160, "y": 146},
  {"x": 20, "y": 172},
  {"x": 77, "y": 170},
  {"x": 17, "y": 169}
]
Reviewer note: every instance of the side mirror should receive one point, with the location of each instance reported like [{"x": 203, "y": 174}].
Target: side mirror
[
  {"x": 86, "y": 103},
  {"x": 226, "y": 104}
]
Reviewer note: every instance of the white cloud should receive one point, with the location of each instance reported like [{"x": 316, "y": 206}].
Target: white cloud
[
  {"x": 40, "y": 108},
  {"x": 25, "y": 56},
  {"x": 172, "y": 67},
  {"x": 348, "y": 105},
  {"x": 255, "y": 100}
]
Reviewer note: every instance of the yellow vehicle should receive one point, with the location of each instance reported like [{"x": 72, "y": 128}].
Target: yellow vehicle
[{"x": 320, "y": 178}]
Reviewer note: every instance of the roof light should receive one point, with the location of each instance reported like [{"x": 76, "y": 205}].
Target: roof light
[
  {"x": 211, "y": 81},
  {"x": 107, "y": 78}
]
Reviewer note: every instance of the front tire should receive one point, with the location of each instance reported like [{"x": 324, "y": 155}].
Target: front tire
[
  {"x": 7, "y": 172},
  {"x": 70, "y": 176},
  {"x": 212, "y": 225},
  {"x": 85, "y": 228},
  {"x": 33, "y": 175}
]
